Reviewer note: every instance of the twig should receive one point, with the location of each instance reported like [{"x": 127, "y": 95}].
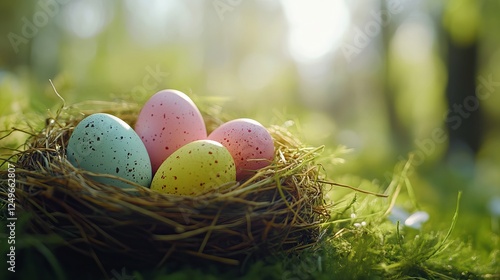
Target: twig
[{"x": 353, "y": 188}]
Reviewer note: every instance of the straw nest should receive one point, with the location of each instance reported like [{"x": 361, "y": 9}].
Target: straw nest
[{"x": 279, "y": 210}]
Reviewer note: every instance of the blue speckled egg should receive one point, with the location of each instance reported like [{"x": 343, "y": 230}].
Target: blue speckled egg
[{"x": 103, "y": 143}]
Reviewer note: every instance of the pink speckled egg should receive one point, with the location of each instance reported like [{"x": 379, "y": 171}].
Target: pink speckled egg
[
  {"x": 168, "y": 121},
  {"x": 249, "y": 143}
]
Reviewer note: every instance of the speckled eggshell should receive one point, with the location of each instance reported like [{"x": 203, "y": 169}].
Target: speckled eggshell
[
  {"x": 250, "y": 144},
  {"x": 195, "y": 168},
  {"x": 103, "y": 143},
  {"x": 168, "y": 121}
]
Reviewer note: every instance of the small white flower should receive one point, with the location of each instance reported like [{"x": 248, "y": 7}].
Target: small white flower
[
  {"x": 414, "y": 220},
  {"x": 398, "y": 214},
  {"x": 417, "y": 219},
  {"x": 358, "y": 225}
]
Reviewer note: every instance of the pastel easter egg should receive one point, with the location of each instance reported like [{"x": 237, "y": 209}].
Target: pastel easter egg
[
  {"x": 250, "y": 144},
  {"x": 103, "y": 143},
  {"x": 168, "y": 121},
  {"x": 195, "y": 168}
]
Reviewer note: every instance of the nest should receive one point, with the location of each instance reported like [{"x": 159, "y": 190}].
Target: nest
[{"x": 279, "y": 210}]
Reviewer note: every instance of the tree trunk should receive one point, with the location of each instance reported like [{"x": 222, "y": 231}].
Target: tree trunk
[{"x": 464, "y": 120}]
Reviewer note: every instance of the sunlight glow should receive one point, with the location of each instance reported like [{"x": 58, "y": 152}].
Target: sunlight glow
[
  {"x": 316, "y": 27},
  {"x": 86, "y": 19},
  {"x": 158, "y": 21}
]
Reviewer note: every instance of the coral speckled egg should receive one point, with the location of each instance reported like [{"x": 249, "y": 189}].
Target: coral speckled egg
[
  {"x": 250, "y": 144},
  {"x": 103, "y": 143},
  {"x": 195, "y": 168},
  {"x": 168, "y": 121}
]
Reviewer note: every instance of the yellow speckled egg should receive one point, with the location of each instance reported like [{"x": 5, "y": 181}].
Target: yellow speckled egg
[{"x": 195, "y": 168}]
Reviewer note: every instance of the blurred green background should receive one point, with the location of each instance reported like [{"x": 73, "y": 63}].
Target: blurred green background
[{"x": 384, "y": 78}]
